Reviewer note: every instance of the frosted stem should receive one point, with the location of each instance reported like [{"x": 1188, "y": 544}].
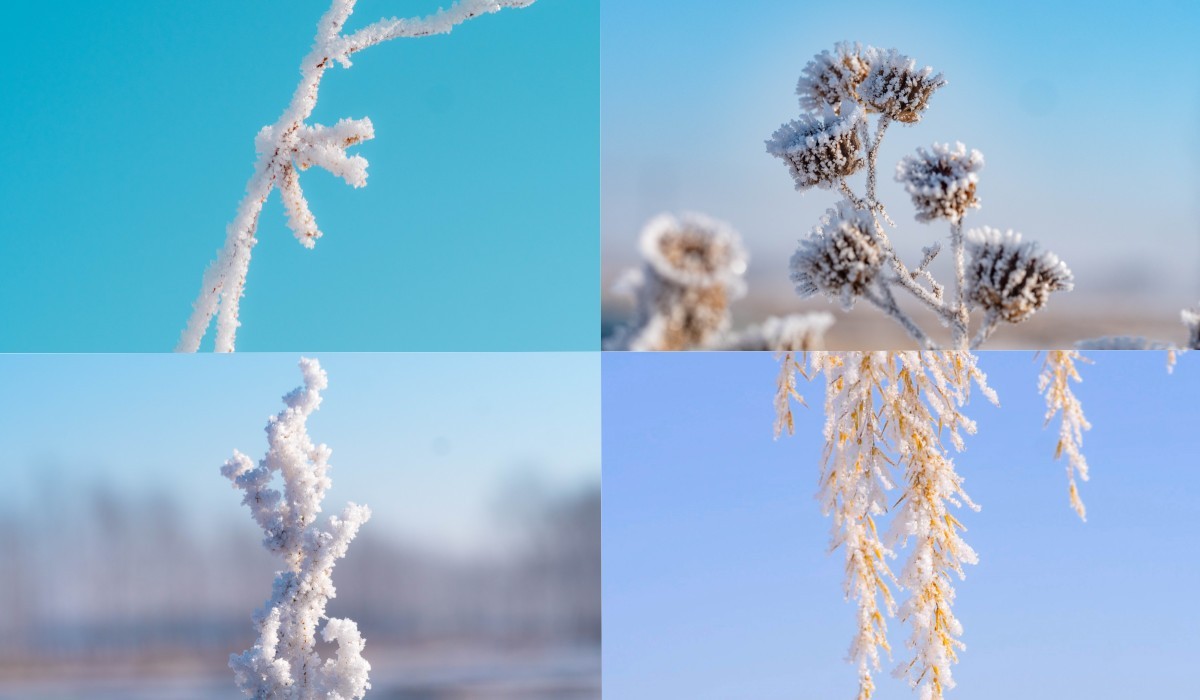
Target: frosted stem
[
  {"x": 887, "y": 303},
  {"x": 961, "y": 319}
]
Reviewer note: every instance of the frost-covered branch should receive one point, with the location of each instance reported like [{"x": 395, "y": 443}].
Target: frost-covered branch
[
  {"x": 1058, "y": 371},
  {"x": 291, "y": 144},
  {"x": 832, "y": 140},
  {"x": 284, "y": 664}
]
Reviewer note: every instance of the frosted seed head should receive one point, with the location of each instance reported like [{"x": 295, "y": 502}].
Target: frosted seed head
[
  {"x": 941, "y": 181},
  {"x": 1009, "y": 278},
  {"x": 821, "y": 149},
  {"x": 895, "y": 87},
  {"x": 694, "y": 250},
  {"x": 840, "y": 258},
  {"x": 832, "y": 78}
]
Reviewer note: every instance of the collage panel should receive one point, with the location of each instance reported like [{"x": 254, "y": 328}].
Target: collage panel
[
  {"x": 152, "y": 147},
  {"x": 408, "y": 526},
  {"x": 867, "y": 555},
  {"x": 898, "y": 175}
]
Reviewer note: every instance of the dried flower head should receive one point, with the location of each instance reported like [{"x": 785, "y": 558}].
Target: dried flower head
[
  {"x": 840, "y": 258},
  {"x": 833, "y": 77},
  {"x": 820, "y": 150},
  {"x": 693, "y": 269},
  {"x": 1011, "y": 279},
  {"x": 941, "y": 182},
  {"x": 896, "y": 88}
]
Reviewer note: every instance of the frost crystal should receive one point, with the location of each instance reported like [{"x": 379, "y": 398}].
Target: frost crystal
[
  {"x": 820, "y": 150},
  {"x": 283, "y": 663},
  {"x": 792, "y": 333},
  {"x": 942, "y": 182},
  {"x": 1009, "y": 279},
  {"x": 693, "y": 269},
  {"x": 840, "y": 258},
  {"x": 896, "y": 88},
  {"x": 832, "y": 78}
]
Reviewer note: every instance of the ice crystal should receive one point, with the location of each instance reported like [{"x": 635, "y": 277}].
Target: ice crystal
[
  {"x": 1009, "y": 279},
  {"x": 1058, "y": 371},
  {"x": 895, "y": 87},
  {"x": 840, "y": 258},
  {"x": 941, "y": 181},
  {"x": 284, "y": 664},
  {"x": 832, "y": 78},
  {"x": 820, "y": 150}
]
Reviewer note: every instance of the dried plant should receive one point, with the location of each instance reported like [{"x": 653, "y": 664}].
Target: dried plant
[
  {"x": 692, "y": 269},
  {"x": 849, "y": 254},
  {"x": 284, "y": 663},
  {"x": 291, "y": 145},
  {"x": 892, "y": 423}
]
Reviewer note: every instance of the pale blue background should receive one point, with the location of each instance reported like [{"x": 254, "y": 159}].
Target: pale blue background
[
  {"x": 1086, "y": 113},
  {"x": 718, "y": 584},
  {"x": 128, "y": 132}
]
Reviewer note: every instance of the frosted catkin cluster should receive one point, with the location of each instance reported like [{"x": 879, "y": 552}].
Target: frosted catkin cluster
[
  {"x": 1010, "y": 279},
  {"x": 851, "y": 255},
  {"x": 1058, "y": 371},
  {"x": 283, "y": 664},
  {"x": 291, "y": 145},
  {"x": 941, "y": 181},
  {"x": 840, "y": 259}
]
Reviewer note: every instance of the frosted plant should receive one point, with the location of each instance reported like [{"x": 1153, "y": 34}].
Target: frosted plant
[
  {"x": 693, "y": 267},
  {"x": 291, "y": 145},
  {"x": 1191, "y": 319},
  {"x": 284, "y": 664},
  {"x": 849, "y": 254},
  {"x": 1191, "y": 322},
  {"x": 892, "y": 423}
]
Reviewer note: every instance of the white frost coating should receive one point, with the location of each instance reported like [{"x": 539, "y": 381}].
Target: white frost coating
[
  {"x": 895, "y": 87},
  {"x": 821, "y": 149},
  {"x": 791, "y": 333},
  {"x": 1009, "y": 279},
  {"x": 840, "y": 258},
  {"x": 941, "y": 181},
  {"x": 832, "y": 78},
  {"x": 1191, "y": 319},
  {"x": 290, "y": 144},
  {"x": 283, "y": 664}
]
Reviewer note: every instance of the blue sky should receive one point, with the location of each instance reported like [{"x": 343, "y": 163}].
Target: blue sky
[
  {"x": 717, "y": 580},
  {"x": 1086, "y": 114},
  {"x": 430, "y": 441},
  {"x": 129, "y": 137}
]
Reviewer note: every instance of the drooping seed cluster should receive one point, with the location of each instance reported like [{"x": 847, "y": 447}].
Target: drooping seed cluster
[
  {"x": 832, "y": 78},
  {"x": 941, "y": 181},
  {"x": 1009, "y": 278},
  {"x": 819, "y": 150},
  {"x": 895, "y": 87},
  {"x": 840, "y": 258}
]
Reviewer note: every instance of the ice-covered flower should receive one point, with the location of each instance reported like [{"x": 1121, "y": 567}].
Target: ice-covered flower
[
  {"x": 833, "y": 77},
  {"x": 693, "y": 268},
  {"x": 840, "y": 258},
  {"x": 1011, "y": 279},
  {"x": 941, "y": 181},
  {"x": 820, "y": 149},
  {"x": 895, "y": 87}
]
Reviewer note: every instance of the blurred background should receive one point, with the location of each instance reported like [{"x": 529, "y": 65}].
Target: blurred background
[
  {"x": 131, "y": 569},
  {"x": 727, "y": 588},
  {"x": 1086, "y": 114}
]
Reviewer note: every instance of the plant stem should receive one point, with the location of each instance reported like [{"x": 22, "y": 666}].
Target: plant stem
[
  {"x": 961, "y": 318},
  {"x": 886, "y": 302}
]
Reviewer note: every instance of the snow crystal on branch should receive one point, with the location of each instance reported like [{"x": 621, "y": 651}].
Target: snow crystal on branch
[
  {"x": 1010, "y": 279},
  {"x": 820, "y": 150},
  {"x": 291, "y": 145},
  {"x": 284, "y": 663},
  {"x": 941, "y": 182}
]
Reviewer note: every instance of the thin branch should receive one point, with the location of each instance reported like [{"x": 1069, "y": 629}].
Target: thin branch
[{"x": 887, "y": 303}]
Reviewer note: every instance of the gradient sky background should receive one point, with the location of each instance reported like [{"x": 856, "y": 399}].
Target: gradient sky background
[
  {"x": 1086, "y": 114},
  {"x": 129, "y": 136},
  {"x": 717, "y": 580},
  {"x": 431, "y": 442}
]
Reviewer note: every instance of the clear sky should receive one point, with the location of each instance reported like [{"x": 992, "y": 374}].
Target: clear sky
[
  {"x": 718, "y": 583},
  {"x": 431, "y": 442},
  {"x": 129, "y": 136},
  {"x": 1086, "y": 113}
]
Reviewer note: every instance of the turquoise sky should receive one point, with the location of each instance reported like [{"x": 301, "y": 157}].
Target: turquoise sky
[
  {"x": 1086, "y": 113},
  {"x": 718, "y": 582},
  {"x": 128, "y": 139},
  {"x": 430, "y": 441}
]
